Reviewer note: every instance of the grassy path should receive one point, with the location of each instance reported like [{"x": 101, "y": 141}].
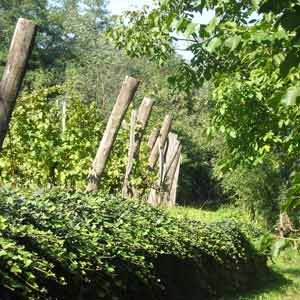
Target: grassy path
[{"x": 284, "y": 286}]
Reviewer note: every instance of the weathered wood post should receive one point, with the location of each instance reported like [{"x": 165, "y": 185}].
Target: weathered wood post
[
  {"x": 126, "y": 191},
  {"x": 171, "y": 179},
  {"x": 142, "y": 121},
  {"x": 128, "y": 90},
  {"x": 173, "y": 192},
  {"x": 153, "y": 137},
  {"x": 19, "y": 53},
  {"x": 173, "y": 145},
  {"x": 143, "y": 116},
  {"x": 168, "y": 173},
  {"x": 164, "y": 131}
]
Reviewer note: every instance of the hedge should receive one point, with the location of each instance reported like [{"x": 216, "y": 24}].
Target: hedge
[{"x": 70, "y": 245}]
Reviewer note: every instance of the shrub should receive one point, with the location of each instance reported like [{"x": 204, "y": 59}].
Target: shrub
[{"x": 59, "y": 245}]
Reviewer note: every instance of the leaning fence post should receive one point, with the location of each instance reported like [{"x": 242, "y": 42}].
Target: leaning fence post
[
  {"x": 127, "y": 93},
  {"x": 143, "y": 116},
  {"x": 172, "y": 179},
  {"x": 135, "y": 141},
  {"x": 19, "y": 53},
  {"x": 173, "y": 192},
  {"x": 165, "y": 129},
  {"x": 126, "y": 189},
  {"x": 152, "y": 138}
]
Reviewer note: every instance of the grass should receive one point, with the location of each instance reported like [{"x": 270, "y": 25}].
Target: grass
[{"x": 284, "y": 285}]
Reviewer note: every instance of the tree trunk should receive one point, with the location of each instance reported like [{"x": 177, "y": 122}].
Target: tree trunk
[
  {"x": 126, "y": 95},
  {"x": 19, "y": 53}
]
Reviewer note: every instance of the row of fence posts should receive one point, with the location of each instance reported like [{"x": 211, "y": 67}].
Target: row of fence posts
[{"x": 165, "y": 149}]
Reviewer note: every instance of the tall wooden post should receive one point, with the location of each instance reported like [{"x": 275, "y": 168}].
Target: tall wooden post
[
  {"x": 171, "y": 179},
  {"x": 164, "y": 191},
  {"x": 126, "y": 190},
  {"x": 173, "y": 192},
  {"x": 142, "y": 121},
  {"x": 19, "y": 53},
  {"x": 152, "y": 138},
  {"x": 164, "y": 131},
  {"x": 129, "y": 88},
  {"x": 144, "y": 113}
]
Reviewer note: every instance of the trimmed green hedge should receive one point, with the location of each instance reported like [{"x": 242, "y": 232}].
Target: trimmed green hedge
[{"x": 59, "y": 245}]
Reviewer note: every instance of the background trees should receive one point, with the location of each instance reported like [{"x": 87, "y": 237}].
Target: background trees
[
  {"x": 235, "y": 104},
  {"x": 249, "y": 53}
]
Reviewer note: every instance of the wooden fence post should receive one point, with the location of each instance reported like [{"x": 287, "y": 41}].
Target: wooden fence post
[
  {"x": 164, "y": 131},
  {"x": 128, "y": 90},
  {"x": 19, "y": 53},
  {"x": 172, "y": 179},
  {"x": 144, "y": 113},
  {"x": 173, "y": 192},
  {"x": 152, "y": 138},
  {"x": 142, "y": 121},
  {"x": 126, "y": 191},
  {"x": 169, "y": 161}
]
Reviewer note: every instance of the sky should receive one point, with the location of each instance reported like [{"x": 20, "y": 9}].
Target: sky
[{"x": 117, "y": 6}]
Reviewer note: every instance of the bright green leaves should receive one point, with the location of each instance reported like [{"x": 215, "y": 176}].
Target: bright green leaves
[
  {"x": 191, "y": 29},
  {"x": 214, "y": 44},
  {"x": 233, "y": 42},
  {"x": 292, "y": 96},
  {"x": 53, "y": 139},
  {"x": 210, "y": 28},
  {"x": 252, "y": 66},
  {"x": 146, "y": 33},
  {"x": 40, "y": 151}
]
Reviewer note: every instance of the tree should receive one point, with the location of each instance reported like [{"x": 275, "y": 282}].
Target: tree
[{"x": 249, "y": 53}]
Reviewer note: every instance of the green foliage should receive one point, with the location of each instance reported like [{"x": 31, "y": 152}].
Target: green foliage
[
  {"x": 252, "y": 62},
  {"x": 292, "y": 194},
  {"x": 244, "y": 61},
  {"x": 62, "y": 245},
  {"x": 49, "y": 146},
  {"x": 38, "y": 151}
]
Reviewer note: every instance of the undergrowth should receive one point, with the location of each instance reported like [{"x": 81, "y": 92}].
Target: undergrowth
[{"x": 60, "y": 245}]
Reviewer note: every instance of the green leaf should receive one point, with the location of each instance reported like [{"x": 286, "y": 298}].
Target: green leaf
[
  {"x": 211, "y": 25},
  {"x": 214, "y": 44},
  {"x": 291, "y": 96},
  {"x": 233, "y": 42},
  {"x": 190, "y": 29},
  {"x": 232, "y": 133},
  {"x": 15, "y": 269}
]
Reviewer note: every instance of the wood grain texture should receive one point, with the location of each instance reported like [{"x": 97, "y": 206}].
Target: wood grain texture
[{"x": 19, "y": 53}]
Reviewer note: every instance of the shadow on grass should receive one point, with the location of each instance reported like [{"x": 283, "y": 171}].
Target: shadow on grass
[{"x": 272, "y": 281}]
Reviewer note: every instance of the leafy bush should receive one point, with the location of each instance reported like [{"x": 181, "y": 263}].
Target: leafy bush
[
  {"x": 46, "y": 146},
  {"x": 60, "y": 245}
]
